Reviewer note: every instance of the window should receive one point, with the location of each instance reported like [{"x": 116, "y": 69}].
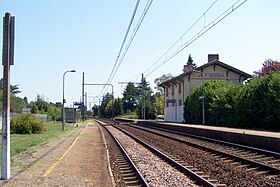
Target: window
[
  {"x": 179, "y": 89},
  {"x": 173, "y": 90},
  {"x": 180, "y": 102},
  {"x": 166, "y": 90}
]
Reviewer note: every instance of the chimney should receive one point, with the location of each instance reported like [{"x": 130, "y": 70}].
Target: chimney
[
  {"x": 187, "y": 68},
  {"x": 213, "y": 57}
]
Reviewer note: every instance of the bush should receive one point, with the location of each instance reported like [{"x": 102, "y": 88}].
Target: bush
[
  {"x": 220, "y": 98},
  {"x": 258, "y": 103},
  {"x": 255, "y": 105},
  {"x": 27, "y": 124}
]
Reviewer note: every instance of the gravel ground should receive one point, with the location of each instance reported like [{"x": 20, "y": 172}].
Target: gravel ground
[
  {"x": 156, "y": 172},
  {"x": 85, "y": 164},
  {"x": 225, "y": 172}
]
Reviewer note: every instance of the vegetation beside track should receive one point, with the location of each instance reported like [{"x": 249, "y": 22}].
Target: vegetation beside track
[{"x": 22, "y": 142}]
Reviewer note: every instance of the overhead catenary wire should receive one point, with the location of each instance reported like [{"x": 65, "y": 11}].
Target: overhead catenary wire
[
  {"x": 180, "y": 39},
  {"x": 205, "y": 29},
  {"x": 124, "y": 40},
  {"x": 121, "y": 55}
]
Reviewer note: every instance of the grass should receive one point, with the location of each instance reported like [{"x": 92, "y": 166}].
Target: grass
[{"x": 22, "y": 142}]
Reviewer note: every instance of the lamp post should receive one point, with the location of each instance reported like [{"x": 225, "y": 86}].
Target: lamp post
[
  {"x": 63, "y": 100},
  {"x": 202, "y": 97}
]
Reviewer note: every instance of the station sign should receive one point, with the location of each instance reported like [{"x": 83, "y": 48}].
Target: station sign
[{"x": 170, "y": 100}]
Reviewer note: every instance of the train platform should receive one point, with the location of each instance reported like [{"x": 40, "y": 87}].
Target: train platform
[
  {"x": 80, "y": 158},
  {"x": 233, "y": 130}
]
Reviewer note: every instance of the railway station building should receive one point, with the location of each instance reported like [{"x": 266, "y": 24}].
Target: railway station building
[{"x": 178, "y": 88}]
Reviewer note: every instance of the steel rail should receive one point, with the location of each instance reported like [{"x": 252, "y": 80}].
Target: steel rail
[
  {"x": 193, "y": 176},
  {"x": 252, "y": 163},
  {"x": 263, "y": 151},
  {"x": 140, "y": 177}
]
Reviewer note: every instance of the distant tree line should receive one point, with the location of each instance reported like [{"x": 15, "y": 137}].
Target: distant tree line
[
  {"x": 254, "y": 105},
  {"x": 130, "y": 106}
]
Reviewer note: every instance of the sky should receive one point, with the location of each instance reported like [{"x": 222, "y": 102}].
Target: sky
[{"x": 54, "y": 36}]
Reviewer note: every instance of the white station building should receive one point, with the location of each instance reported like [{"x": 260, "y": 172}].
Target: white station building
[{"x": 178, "y": 88}]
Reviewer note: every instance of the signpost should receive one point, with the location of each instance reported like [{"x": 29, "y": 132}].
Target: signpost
[{"x": 7, "y": 60}]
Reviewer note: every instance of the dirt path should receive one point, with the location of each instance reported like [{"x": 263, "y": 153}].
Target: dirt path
[{"x": 77, "y": 159}]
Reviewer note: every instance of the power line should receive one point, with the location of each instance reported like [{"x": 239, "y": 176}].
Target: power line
[
  {"x": 126, "y": 34},
  {"x": 119, "y": 59},
  {"x": 180, "y": 39},
  {"x": 148, "y": 5},
  {"x": 205, "y": 29}
]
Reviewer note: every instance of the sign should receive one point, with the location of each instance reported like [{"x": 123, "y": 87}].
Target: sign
[
  {"x": 12, "y": 40},
  {"x": 201, "y": 98},
  {"x": 214, "y": 74},
  {"x": 78, "y": 103},
  {"x": 170, "y": 100}
]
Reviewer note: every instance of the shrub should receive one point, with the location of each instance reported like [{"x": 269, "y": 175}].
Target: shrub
[{"x": 27, "y": 124}]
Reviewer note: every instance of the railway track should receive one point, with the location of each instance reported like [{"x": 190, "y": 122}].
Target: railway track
[
  {"x": 262, "y": 160},
  {"x": 257, "y": 163},
  {"x": 129, "y": 175},
  {"x": 196, "y": 175}
]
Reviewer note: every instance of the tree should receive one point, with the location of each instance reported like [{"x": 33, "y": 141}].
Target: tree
[
  {"x": 158, "y": 103},
  {"x": 190, "y": 62},
  {"x": 149, "y": 108},
  {"x": 118, "y": 107},
  {"x": 131, "y": 98},
  {"x": 25, "y": 100},
  {"x": 13, "y": 88},
  {"x": 160, "y": 80},
  {"x": 95, "y": 110},
  {"x": 40, "y": 106},
  {"x": 106, "y": 106},
  {"x": 16, "y": 103},
  {"x": 269, "y": 66}
]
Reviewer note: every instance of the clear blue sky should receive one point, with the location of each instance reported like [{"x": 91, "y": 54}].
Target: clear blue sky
[{"x": 53, "y": 36}]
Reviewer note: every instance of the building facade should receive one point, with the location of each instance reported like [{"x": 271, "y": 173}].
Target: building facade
[{"x": 178, "y": 88}]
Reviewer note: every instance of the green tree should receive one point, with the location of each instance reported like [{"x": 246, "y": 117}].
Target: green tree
[
  {"x": 106, "y": 106},
  {"x": 149, "y": 108},
  {"x": 220, "y": 100},
  {"x": 160, "y": 80},
  {"x": 13, "y": 88},
  {"x": 40, "y": 106},
  {"x": 158, "y": 103},
  {"x": 95, "y": 110},
  {"x": 118, "y": 107},
  {"x": 190, "y": 62},
  {"x": 16, "y": 103},
  {"x": 131, "y": 98},
  {"x": 258, "y": 103}
]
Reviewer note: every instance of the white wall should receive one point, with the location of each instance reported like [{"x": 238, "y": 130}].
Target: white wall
[{"x": 174, "y": 114}]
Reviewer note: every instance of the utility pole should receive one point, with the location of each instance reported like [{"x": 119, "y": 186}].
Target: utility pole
[
  {"x": 83, "y": 97},
  {"x": 143, "y": 98},
  {"x": 7, "y": 60}
]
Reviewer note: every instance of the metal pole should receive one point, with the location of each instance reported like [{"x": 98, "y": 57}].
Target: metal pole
[
  {"x": 73, "y": 114},
  {"x": 203, "y": 107},
  {"x": 143, "y": 97},
  {"x": 112, "y": 101},
  {"x": 203, "y": 96},
  {"x": 6, "y": 60},
  {"x": 83, "y": 96},
  {"x": 63, "y": 100},
  {"x": 112, "y": 93}
]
